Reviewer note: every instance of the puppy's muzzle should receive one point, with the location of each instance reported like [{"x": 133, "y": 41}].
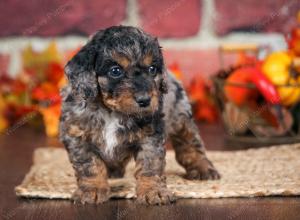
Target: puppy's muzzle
[{"x": 143, "y": 100}]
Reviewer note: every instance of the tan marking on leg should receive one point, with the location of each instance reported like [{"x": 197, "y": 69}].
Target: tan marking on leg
[
  {"x": 190, "y": 152},
  {"x": 151, "y": 185},
  {"x": 93, "y": 187},
  {"x": 153, "y": 190}
]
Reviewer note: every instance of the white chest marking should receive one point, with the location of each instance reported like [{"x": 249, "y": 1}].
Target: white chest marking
[{"x": 109, "y": 134}]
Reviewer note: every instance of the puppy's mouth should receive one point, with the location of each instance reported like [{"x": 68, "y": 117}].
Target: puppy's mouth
[
  {"x": 140, "y": 112},
  {"x": 141, "y": 107},
  {"x": 134, "y": 106}
]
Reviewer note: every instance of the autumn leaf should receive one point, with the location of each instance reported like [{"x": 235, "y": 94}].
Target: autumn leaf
[
  {"x": 71, "y": 53},
  {"x": 201, "y": 99},
  {"x": 245, "y": 59},
  {"x": 51, "y": 118},
  {"x": 46, "y": 92},
  {"x": 206, "y": 111},
  {"x": 14, "y": 112},
  {"x": 3, "y": 120},
  {"x": 197, "y": 90},
  {"x": 175, "y": 70},
  {"x": 54, "y": 72},
  {"x": 36, "y": 63},
  {"x": 63, "y": 82}
]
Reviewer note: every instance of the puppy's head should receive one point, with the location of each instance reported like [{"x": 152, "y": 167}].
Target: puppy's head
[{"x": 124, "y": 67}]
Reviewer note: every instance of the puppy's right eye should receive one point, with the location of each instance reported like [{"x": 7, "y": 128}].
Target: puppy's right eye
[{"x": 115, "y": 72}]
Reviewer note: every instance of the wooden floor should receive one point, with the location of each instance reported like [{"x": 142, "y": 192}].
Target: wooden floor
[{"x": 16, "y": 149}]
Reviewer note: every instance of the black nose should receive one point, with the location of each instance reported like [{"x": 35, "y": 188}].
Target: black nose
[{"x": 143, "y": 101}]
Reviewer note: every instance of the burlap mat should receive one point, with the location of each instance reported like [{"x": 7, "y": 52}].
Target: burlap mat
[{"x": 255, "y": 172}]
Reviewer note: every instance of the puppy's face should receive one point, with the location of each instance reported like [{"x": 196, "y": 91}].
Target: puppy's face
[
  {"x": 130, "y": 72},
  {"x": 124, "y": 67},
  {"x": 129, "y": 86}
]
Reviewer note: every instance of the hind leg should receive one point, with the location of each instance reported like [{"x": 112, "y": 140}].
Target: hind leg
[
  {"x": 190, "y": 151},
  {"x": 184, "y": 134}
]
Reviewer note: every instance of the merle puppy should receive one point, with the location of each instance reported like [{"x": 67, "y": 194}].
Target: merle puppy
[{"x": 121, "y": 103}]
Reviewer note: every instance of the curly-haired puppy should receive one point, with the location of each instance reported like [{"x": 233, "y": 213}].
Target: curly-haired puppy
[{"x": 122, "y": 103}]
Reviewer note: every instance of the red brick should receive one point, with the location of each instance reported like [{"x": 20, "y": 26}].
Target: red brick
[
  {"x": 255, "y": 15},
  {"x": 284, "y": 19},
  {"x": 59, "y": 17},
  {"x": 203, "y": 62},
  {"x": 169, "y": 18}
]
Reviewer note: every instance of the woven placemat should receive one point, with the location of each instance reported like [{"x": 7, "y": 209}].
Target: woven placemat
[{"x": 255, "y": 172}]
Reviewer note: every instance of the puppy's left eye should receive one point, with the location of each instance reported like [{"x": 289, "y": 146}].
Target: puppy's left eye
[
  {"x": 115, "y": 72},
  {"x": 152, "y": 70}
]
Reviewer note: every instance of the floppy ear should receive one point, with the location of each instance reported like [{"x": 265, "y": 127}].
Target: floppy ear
[
  {"x": 80, "y": 72},
  {"x": 163, "y": 87}
]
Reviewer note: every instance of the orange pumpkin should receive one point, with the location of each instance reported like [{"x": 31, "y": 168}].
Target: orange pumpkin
[{"x": 235, "y": 87}]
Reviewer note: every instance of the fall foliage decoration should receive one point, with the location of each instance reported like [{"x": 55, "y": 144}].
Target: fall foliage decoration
[
  {"x": 262, "y": 97},
  {"x": 34, "y": 91},
  {"x": 200, "y": 95}
]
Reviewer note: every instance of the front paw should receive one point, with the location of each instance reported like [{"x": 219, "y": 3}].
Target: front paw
[
  {"x": 156, "y": 196},
  {"x": 203, "y": 171},
  {"x": 91, "y": 195}
]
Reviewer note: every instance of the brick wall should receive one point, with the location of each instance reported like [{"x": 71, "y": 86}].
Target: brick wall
[{"x": 189, "y": 30}]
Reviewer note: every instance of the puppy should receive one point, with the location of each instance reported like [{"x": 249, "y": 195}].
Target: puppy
[{"x": 121, "y": 103}]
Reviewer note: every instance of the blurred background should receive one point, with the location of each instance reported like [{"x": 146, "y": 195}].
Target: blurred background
[{"x": 237, "y": 61}]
